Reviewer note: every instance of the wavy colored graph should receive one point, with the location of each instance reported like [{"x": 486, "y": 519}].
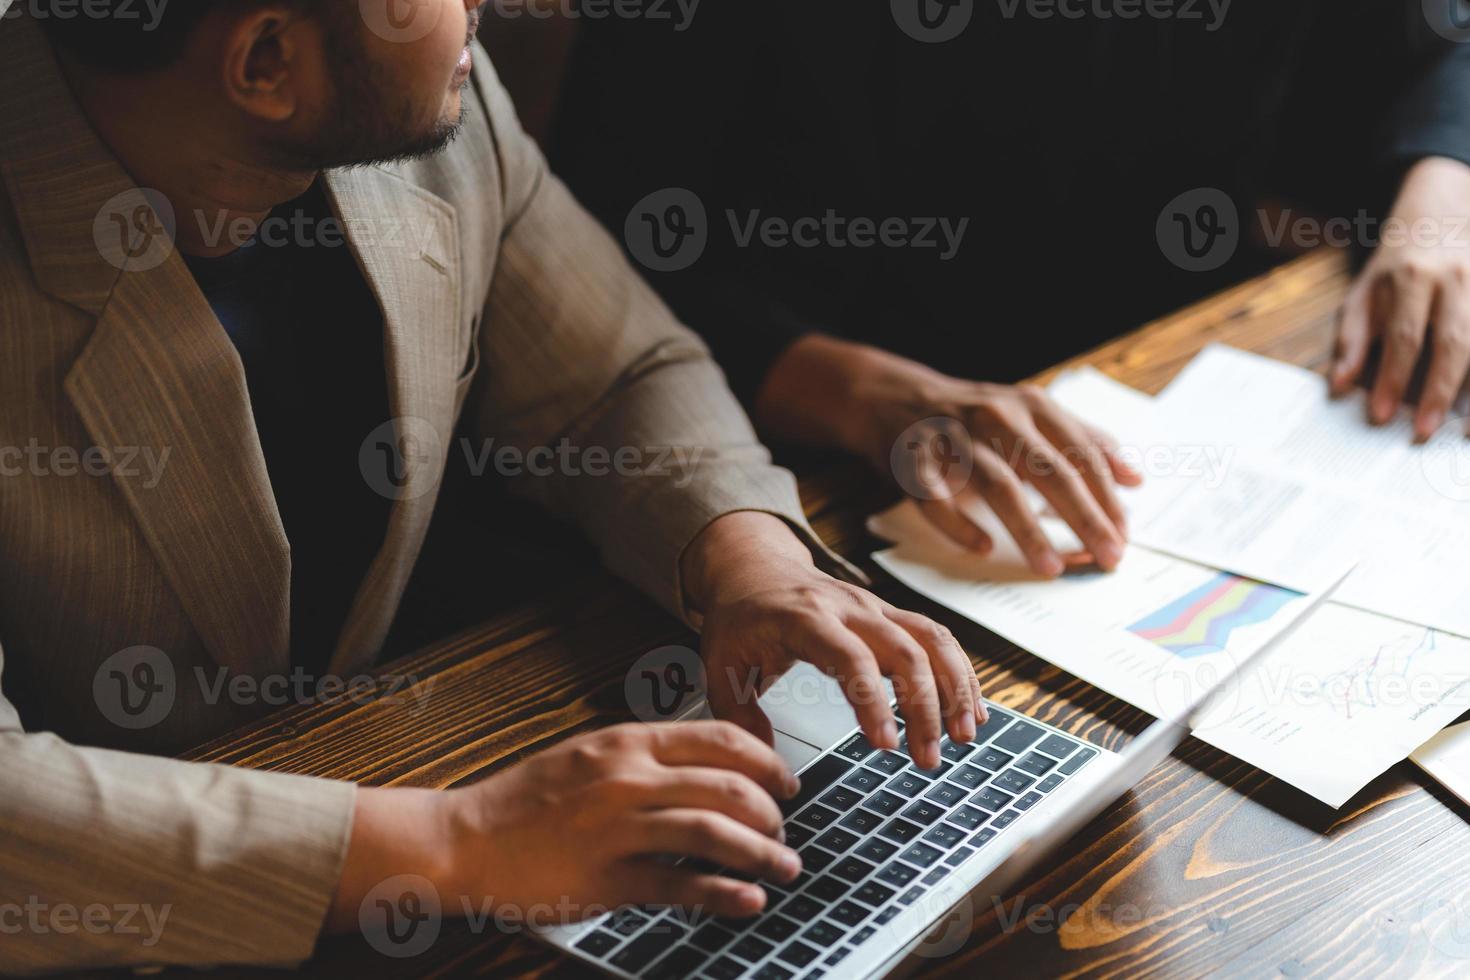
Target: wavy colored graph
[{"x": 1201, "y": 621}]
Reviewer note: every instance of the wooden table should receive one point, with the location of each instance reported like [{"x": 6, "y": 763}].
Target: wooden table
[{"x": 1208, "y": 867}]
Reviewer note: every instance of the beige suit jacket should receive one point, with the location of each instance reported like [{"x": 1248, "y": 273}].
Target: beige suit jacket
[{"x": 504, "y": 306}]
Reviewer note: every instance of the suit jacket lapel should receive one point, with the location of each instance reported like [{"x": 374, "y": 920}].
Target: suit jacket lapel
[{"x": 406, "y": 241}]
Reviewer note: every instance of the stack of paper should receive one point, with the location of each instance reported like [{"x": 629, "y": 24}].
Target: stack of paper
[{"x": 1259, "y": 491}]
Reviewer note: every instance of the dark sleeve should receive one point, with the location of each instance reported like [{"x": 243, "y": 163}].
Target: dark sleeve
[
  {"x": 646, "y": 108},
  {"x": 1433, "y": 116}
]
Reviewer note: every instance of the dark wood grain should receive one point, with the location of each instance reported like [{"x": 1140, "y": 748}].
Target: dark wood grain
[{"x": 1209, "y": 867}]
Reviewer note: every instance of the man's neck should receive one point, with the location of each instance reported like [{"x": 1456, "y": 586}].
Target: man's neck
[{"x": 219, "y": 197}]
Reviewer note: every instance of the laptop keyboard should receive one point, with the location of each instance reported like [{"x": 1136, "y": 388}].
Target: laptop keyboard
[{"x": 875, "y": 834}]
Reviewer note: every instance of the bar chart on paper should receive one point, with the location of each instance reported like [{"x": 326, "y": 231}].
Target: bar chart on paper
[{"x": 1202, "y": 621}]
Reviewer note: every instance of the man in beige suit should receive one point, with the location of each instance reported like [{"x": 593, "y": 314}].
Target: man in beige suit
[{"x": 151, "y": 525}]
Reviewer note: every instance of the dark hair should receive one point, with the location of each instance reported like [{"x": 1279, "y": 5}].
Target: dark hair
[{"x": 126, "y": 35}]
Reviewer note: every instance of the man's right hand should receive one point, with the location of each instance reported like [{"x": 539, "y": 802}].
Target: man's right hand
[{"x": 579, "y": 827}]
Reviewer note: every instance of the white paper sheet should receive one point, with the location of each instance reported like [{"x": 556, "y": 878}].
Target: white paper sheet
[
  {"x": 1257, "y": 471},
  {"x": 1350, "y": 694},
  {"x": 1446, "y": 757}
]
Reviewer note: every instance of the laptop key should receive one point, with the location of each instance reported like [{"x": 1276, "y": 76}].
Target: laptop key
[
  {"x": 725, "y": 968},
  {"x": 679, "y": 964},
  {"x": 873, "y": 893},
  {"x": 849, "y": 913},
  {"x": 897, "y": 874},
  {"x": 922, "y": 854},
  {"x": 821, "y": 774},
  {"x": 823, "y": 934},
  {"x": 859, "y": 821},
  {"x": 888, "y": 915},
  {"x": 1049, "y": 783},
  {"x": 751, "y": 948},
  {"x": 945, "y": 794},
  {"x": 991, "y": 799},
  {"x": 955, "y": 751},
  {"x": 837, "y": 840},
  {"x": 836, "y": 956},
  {"x": 817, "y": 816},
  {"x": 993, "y": 759},
  {"x": 802, "y": 907},
  {"x": 888, "y": 763},
  {"x": 1018, "y": 737},
  {"x": 641, "y": 951},
  {"x": 938, "y": 771},
  {"x": 863, "y": 934},
  {"x": 1036, "y": 764},
  {"x": 924, "y": 812},
  {"x": 883, "y": 802},
  {"x": 901, "y": 830},
  {"x": 863, "y": 780},
  {"x": 936, "y": 875},
  {"x": 852, "y": 869},
  {"x": 841, "y": 798},
  {"x": 797, "y": 835},
  {"x": 911, "y": 896},
  {"x": 798, "y": 954},
  {"x": 627, "y": 921},
  {"x": 772, "y": 971},
  {"x": 1004, "y": 820},
  {"x": 857, "y": 748},
  {"x": 959, "y": 857},
  {"x": 985, "y": 836},
  {"x": 876, "y": 850},
  {"x": 967, "y": 817},
  {"x": 827, "y": 889},
  {"x": 908, "y": 784},
  {"x": 712, "y": 937},
  {"x": 598, "y": 943},
  {"x": 814, "y": 859},
  {"x": 1057, "y": 746},
  {"x": 1012, "y": 781},
  {"x": 1029, "y": 800},
  {"x": 776, "y": 927},
  {"x": 944, "y": 836},
  {"x": 968, "y": 776},
  {"x": 1076, "y": 762},
  {"x": 997, "y": 720}
]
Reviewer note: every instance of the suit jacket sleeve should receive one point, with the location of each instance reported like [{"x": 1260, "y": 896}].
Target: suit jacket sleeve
[
  {"x": 1433, "y": 116},
  {"x": 627, "y": 425},
  {"x": 112, "y": 859}
]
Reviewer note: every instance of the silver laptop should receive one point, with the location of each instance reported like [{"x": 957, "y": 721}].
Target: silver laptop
[{"x": 891, "y": 853}]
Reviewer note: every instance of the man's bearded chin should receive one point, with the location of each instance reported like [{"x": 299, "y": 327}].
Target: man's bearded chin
[{"x": 369, "y": 123}]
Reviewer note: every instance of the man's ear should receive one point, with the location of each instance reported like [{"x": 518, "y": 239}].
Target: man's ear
[{"x": 267, "y": 63}]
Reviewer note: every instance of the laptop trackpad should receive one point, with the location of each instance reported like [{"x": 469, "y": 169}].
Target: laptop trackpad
[
  {"x": 808, "y": 705},
  {"x": 794, "y": 752}
]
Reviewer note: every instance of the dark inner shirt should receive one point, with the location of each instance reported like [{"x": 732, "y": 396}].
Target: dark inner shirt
[{"x": 310, "y": 334}]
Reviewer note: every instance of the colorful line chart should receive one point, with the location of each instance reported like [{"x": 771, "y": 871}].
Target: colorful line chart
[
  {"x": 1360, "y": 686},
  {"x": 1201, "y": 621}
]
